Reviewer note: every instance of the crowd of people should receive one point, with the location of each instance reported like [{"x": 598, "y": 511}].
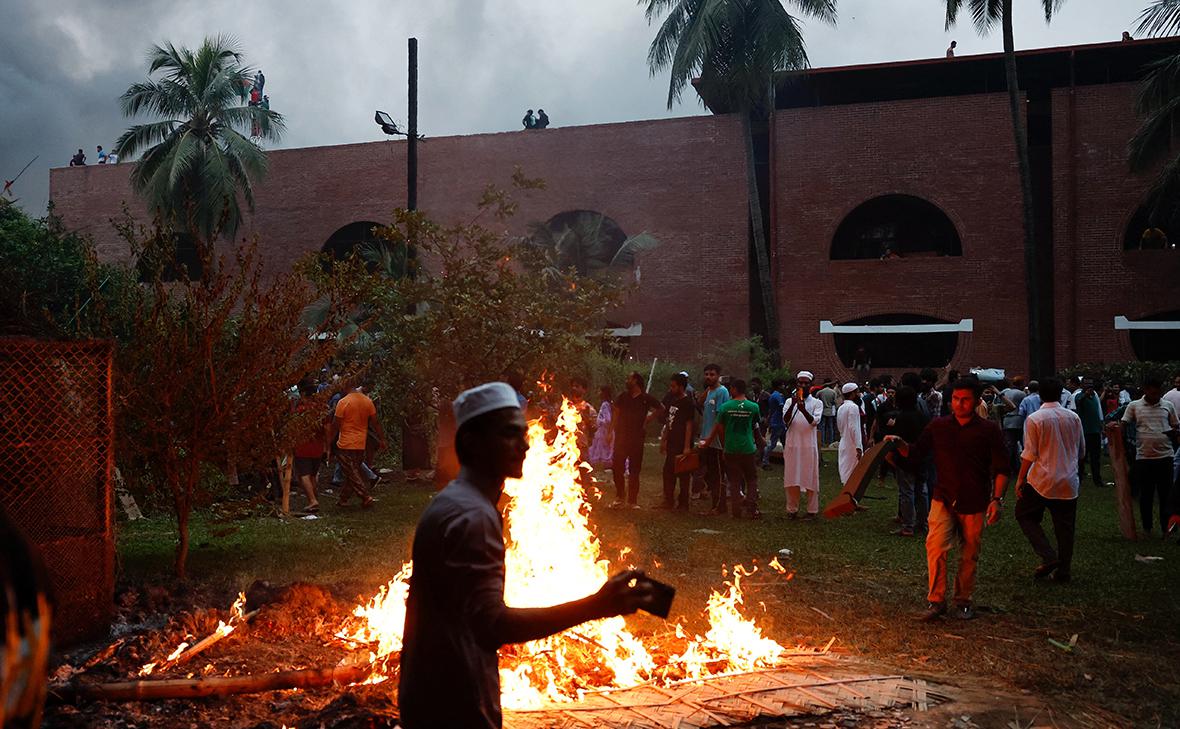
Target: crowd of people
[
  {"x": 958, "y": 442},
  {"x": 104, "y": 157}
]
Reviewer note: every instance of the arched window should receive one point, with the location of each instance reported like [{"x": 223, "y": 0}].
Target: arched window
[
  {"x": 897, "y": 340},
  {"x": 895, "y": 226},
  {"x": 1157, "y": 344},
  {"x": 341, "y": 244},
  {"x": 589, "y": 242},
  {"x": 354, "y": 236},
  {"x": 1141, "y": 235},
  {"x": 184, "y": 261}
]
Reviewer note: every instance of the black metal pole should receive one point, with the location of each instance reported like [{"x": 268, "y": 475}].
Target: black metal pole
[{"x": 412, "y": 149}]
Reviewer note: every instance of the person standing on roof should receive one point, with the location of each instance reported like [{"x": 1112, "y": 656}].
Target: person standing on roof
[{"x": 529, "y": 121}]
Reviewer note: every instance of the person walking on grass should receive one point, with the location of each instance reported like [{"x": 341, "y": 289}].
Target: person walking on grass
[
  {"x": 827, "y": 426},
  {"x": 908, "y": 423},
  {"x": 355, "y": 415},
  {"x": 1088, "y": 405},
  {"x": 776, "y": 429},
  {"x": 1155, "y": 432},
  {"x": 1048, "y": 479},
  {"x": 711, "y": 397},
  {"x": 972, "y": 465},
  {"x": 310, "y": 452},
  {"x": 676, "y": 440},
  {"x": 801, "y": 417},
  {"x": 849, "y": 425},
  {"x": 634, "y": 409},
  {"x": 737, "y": 430}
]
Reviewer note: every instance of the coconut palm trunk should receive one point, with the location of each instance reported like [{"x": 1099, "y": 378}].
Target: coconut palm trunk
[
  {"x": 761, "y": 242},
  {"x": 1024, "y": 167}
]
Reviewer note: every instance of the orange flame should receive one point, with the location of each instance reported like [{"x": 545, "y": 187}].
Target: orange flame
[{"x": 553, "y": 555}]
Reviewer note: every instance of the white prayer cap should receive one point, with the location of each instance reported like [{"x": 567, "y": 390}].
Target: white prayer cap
[
  {"x": 684, "y": 373},
  {"x": 849, "y": 387},
  {"x": 804, "y": 374},
  {"x": 483, "y": 399}
]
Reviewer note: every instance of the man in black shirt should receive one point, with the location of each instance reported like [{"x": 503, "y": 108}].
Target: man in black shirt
[
  {"x": 972, "y": 465},
  {"x": 633, "y": 410},
  {"x": 677, "y": 439},
  {"x": 456, "y": 619}
]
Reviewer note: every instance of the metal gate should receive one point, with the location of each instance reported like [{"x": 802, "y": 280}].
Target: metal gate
[{"x": 56, "y": 462}]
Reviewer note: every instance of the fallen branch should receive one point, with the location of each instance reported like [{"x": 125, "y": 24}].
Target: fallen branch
[
  {"x": 190, "y": 688},
  {"x": 207, "y": 642}
]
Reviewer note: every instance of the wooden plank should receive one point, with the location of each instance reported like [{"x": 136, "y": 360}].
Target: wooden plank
[{"x": 1122, "y": 479}]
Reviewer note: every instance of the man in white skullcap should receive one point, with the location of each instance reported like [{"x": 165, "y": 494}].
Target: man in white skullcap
[
  {"x": 801, "y": 415},
  {"x": 456, "y": 619},
  {"x": 848, "y": 423}
]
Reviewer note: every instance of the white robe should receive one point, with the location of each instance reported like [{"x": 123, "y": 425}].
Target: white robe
[
  {"x": 848, "y": 423},
  {"x": 800, "y": 447}
]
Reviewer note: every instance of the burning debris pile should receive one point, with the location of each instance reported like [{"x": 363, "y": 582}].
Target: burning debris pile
[{"x": 553, "y": 555}]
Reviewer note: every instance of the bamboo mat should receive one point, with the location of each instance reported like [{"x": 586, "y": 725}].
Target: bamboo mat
[{"x": 797, "y": 690}]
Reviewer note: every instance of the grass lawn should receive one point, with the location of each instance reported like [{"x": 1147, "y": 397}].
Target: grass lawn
[{"x": 853, "y": 580}]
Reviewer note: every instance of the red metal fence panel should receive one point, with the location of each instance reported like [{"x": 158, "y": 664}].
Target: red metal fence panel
[{"x": 56, "y": 464}]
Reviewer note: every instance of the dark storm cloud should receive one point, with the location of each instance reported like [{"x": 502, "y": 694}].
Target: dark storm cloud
[{"x": 64, "y": 63}]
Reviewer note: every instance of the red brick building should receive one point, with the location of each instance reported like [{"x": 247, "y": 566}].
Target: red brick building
[{"x": 891, "y": 192}]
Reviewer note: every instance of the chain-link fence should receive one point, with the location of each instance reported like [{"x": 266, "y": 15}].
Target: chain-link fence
[{"x": 56, "y": 461}]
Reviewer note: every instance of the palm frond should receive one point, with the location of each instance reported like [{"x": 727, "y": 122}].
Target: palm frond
[
  {"x": 635, "y": 244},
  {"x": 824, "y": 10},
  {"x": 142, "y": 136},
  {"x": 1160, "y": 18}
]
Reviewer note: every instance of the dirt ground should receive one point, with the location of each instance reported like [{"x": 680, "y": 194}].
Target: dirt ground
[{"x": 295, "y": 626}]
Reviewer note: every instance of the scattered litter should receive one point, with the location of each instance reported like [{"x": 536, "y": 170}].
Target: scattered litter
[
  {"x": 706, "y": 531},
  {"x": 1067, "y": 647},
  {"x": 1148, "y": 558},
  {"x": 384, "y": 471},
  {"x": 821, "y": 612},
  {"x": 309, "y": 517}
]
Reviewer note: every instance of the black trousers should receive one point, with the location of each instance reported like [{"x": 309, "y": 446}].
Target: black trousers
[
  {"x": 1094, "y": 456},
  {"x": 627, "y": 453},
  {"x": 1030, "y": 510},
  {"x": 713, "y": 466},
  {"x": 670, "y": 479},
  {"x": 1012, "y": 438},
  {"x": 742, "y": 471},
  {"x": 1152, "y": 476}
]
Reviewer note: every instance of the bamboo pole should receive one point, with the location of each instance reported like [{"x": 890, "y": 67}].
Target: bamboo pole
[{"x": 191, "y": 688}]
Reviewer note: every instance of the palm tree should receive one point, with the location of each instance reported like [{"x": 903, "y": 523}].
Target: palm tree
[
  {"x": 985, "y": 14},
  {"x": 195, "y": 160},
  {"x": 1158, "y": 106},
  {"x": 735, "y": 47}
]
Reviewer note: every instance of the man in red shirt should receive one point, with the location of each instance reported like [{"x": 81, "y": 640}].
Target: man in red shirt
[
  {"x": 355, "y": 414},
  {"x": 971, "y": 461},
  {"x": 309, "y": 452}
]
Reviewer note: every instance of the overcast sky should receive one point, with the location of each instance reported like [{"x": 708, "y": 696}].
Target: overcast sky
[{"x": 64, "y": 63}]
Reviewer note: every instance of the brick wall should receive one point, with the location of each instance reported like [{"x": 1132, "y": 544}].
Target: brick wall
[
  {"x": 681, "y": 180},
  {"x": 954, "y": 152},
  {"x": 1095, "y": 196}
]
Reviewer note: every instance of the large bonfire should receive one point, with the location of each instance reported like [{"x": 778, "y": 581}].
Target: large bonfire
[{"x": 554, "y": 555}]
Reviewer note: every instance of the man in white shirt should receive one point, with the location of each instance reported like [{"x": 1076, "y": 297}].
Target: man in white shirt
[
  {"x": 1155, "y": 431},
  {"x": 848, "y": 423},
  {"x": 1048, "y": 479},
  {"x": 801, "y": 417},
  {"x": 1173, "y": 396}
]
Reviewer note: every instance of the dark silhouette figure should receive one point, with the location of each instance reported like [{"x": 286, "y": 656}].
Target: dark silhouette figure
[
  {"x": 529, "y": 121},
  {"x": 542, "y": 119},
  {"x": 78, "y": 160}
]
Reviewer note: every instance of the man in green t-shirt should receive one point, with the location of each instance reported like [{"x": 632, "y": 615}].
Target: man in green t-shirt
[{"x": 736, "y": 428}]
